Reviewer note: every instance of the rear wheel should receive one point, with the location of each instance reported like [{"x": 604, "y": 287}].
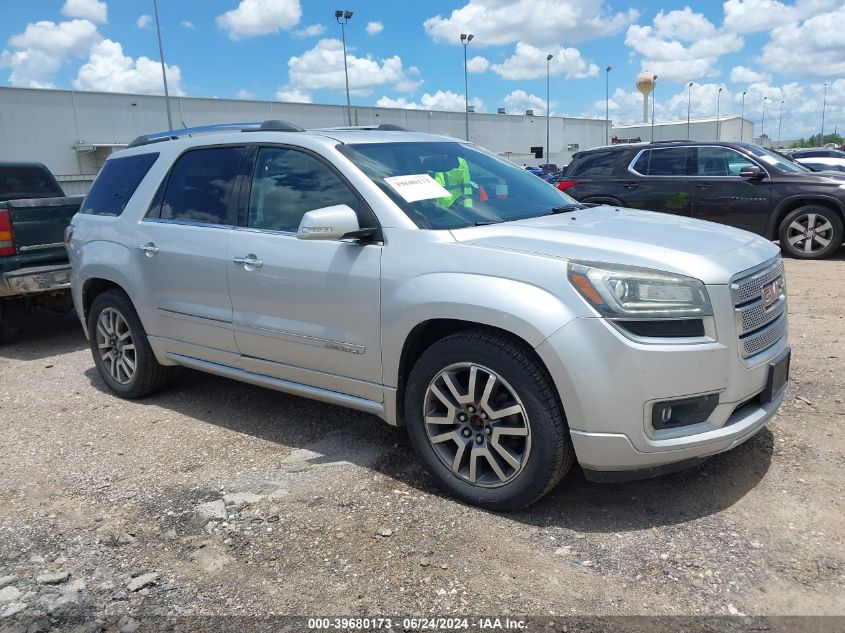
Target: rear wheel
[
  {"x": 484, "y": 419},
  {"x": 811, "y": 232},
  {"x": 121, "y": 351}
]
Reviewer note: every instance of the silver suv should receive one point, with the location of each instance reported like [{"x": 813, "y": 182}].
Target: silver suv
[{"x": 437, "y": 286}]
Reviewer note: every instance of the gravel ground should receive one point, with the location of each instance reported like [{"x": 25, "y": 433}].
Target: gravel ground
[{"x": 219, "y": 498}]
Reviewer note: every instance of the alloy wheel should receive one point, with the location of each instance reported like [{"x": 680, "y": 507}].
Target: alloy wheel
[
  {"x": 477, "y": 425},
  {"x": 809, "y": 233},
  {"x": 116, "y": 345}
]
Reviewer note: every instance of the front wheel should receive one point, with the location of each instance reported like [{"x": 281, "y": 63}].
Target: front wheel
[
  {"x": 484, "y": 419},
  {"x": 811, "y": 232},
  {"x": 121, "y": 351}
]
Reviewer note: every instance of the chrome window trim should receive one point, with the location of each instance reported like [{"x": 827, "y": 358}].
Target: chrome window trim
[
  {"x": 691, "y": 177},
  {"x": 187, "y": 223}
]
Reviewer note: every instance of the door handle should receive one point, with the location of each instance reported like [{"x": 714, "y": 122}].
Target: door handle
[
  {"x": 703, "y": 185},
  {"x": 631, "y": 185},
  {"x": 250, "y": 261},
  {"x": 149, "y": 249}
]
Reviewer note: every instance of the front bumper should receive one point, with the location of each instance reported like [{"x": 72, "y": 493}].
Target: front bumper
[
  {"x": 609, "y": 382},
  {"x": 34, "y": 280}
]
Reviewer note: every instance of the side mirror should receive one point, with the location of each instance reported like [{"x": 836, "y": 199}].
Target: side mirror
[
  {"x": 752, "y": 172},
  {"x": 328, "y": 223}
]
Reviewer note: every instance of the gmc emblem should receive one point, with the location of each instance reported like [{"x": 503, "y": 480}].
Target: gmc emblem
[{"x": 771, "y": 292}]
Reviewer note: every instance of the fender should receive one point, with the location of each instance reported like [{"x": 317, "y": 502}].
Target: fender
[
  {"x": 780, "y": 210},
  {"x": 102, "y": 260},
  {"x": 527, "y": 311}
]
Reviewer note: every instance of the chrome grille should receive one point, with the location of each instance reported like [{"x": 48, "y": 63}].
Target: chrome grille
[
  {"x": 763, "y": 339},
  {"x": 758, "y": 326},
  {"x": 749, "y": 287}
]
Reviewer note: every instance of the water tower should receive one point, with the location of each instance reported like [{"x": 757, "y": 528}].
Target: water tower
[{"x": 645, "y": 84}]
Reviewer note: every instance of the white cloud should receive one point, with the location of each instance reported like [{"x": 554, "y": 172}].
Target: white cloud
[
  {"x": 529, "y": 62},
  {"x": 245, "y": 94},
  {"x": 478, "y": 64},
  {"x": 322, "y": 68},
  {"x": 681, "y": 45},
  {"x": 144, "y": 21},
  {"x": 811, "y": 47},
  {"x": 374, "y": 28},
  {"x": 294, "y": 95},
  {"x": 748, "y": 16},
  {"x": 259, "y": 17},
  {"x": 440, "y": 100},
  {"x": 187, "y": 24},
  {"x": 745, "y": 75},
  {"x": 109, "y": 70},
  {"x": 538, "y": 22},
  {"x": 518, "y": 101},
  {"x": 311, "y": 31},
  {"x": 93, "y": 10},
  {"x": 38, "y": 52}
]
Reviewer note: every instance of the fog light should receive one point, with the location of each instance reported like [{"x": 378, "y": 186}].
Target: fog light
[{"x": 671, "y": 414}]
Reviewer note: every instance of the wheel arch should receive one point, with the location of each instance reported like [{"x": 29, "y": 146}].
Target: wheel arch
[
  {"x": 429, "y": 332},
  {"x": 788, "y": 205}
]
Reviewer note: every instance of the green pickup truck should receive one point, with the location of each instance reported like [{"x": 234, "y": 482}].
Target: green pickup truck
[{"x": 34, "y": 213}]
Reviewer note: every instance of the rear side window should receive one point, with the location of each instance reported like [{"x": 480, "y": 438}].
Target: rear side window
[
  {"x": 671, "y": 161},
  {"x": 595, "y": 165},
  {"x": 116, "y": 183},
  {"x": 200, "y": 186}
]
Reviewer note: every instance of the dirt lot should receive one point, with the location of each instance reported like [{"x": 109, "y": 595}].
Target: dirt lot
[{"x": 216, "y": 497}]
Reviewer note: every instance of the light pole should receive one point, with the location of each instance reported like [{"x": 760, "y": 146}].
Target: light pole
[
  {"x": 742, "y": 119},
  {"x": 780, "y": 121},
  {"x": 763, "y": 124},
  {"x": 654, "y": 78},
  {"x": 718, "y": 115},
  {"x": 465, "y": 40},
  {"x": 824, "y": 107},
  {"x": 163, "y": 72},
  {"x": 342, "y": 16},
  {"x": 689, "y": 101},
  {"x": 607, "y": 103},
  {"x": 548, "y": 106}
]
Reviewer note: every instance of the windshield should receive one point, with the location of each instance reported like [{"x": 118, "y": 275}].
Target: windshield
[
  {"x": 778, "y": 161},
  {"x": 449, "y": 185}
]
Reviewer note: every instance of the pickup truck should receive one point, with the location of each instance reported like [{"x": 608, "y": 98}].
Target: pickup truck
[{"x": 34, "y": 213}]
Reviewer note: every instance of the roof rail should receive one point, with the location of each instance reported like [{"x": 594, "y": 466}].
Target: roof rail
[
  {"x": 382, "y": 127},
  {"x": 250, "y": 126}
]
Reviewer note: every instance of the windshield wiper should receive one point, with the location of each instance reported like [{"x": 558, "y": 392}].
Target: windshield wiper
[
  {"x": 488, "y": 222},
  {"x": 566, "y": 208}
]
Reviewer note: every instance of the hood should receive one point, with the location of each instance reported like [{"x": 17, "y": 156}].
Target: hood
[{"x": 704, "y": 250}]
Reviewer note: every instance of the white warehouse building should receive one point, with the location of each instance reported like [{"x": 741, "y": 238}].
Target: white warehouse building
[
  {"x": 73, "y": 132},
  {"x": 726, "y": 128}
]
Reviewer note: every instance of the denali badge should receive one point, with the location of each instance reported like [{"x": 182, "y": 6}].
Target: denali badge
[{"x": 771, "y": 292}]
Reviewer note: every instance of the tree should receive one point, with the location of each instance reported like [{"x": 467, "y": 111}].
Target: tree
[{"x": 816, "y": 140}]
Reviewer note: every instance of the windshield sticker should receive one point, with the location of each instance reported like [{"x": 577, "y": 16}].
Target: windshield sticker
[{"x": 415, "y": 187}]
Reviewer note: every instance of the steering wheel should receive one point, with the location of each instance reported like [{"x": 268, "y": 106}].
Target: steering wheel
[{"x": 460, "y": 198}]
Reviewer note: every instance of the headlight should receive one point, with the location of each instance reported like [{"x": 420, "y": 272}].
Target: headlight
[{"x": 629, "y": 292}]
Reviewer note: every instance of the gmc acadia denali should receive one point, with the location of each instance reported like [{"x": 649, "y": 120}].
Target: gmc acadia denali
[{"x": 432, "y": 283}]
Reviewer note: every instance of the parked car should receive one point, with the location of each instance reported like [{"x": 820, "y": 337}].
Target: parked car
[
  {"x": 34, "y": 212},
  {"x": 739, "y": 184},
  {"x": 822, "y": 163},
  {"x": 510, "y": 329}
]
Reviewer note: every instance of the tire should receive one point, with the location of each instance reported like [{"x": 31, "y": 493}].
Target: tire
[
  {"x": 793, "y": 233},
  {"x": 121, "y": 328},
  {"x": 543, "y": 451}
]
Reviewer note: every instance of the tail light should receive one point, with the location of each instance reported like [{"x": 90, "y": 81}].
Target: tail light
[
  {"x": 7, "y": 242},
  {"x": 68, "y": 233},
  {"x": 563, "y": 185}
]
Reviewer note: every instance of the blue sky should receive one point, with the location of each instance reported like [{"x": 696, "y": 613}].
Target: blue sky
[{"x": 408, "y": 54}]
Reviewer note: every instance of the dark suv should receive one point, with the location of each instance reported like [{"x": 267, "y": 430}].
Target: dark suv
[{"x": 740, "y": 184}]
